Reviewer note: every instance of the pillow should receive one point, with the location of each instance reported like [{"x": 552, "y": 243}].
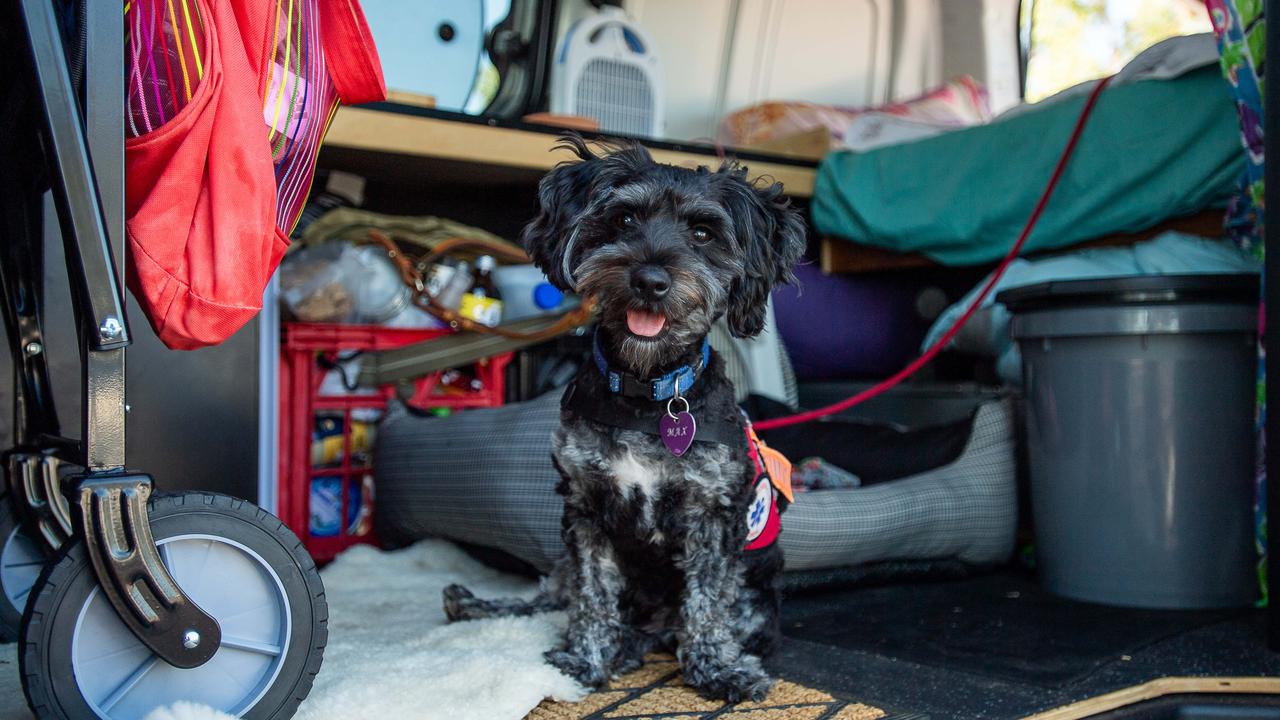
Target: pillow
[
  {"x": 484, "y": 477},
  {"x": 958, "y": 103}
]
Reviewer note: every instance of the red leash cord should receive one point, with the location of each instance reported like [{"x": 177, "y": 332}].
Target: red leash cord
[{"x": 915, "y": 365}]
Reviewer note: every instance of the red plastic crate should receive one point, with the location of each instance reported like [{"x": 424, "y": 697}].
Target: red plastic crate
[{"x": 301, "y": 404}]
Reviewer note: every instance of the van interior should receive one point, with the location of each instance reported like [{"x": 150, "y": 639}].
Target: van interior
[{"x": 1019, "y": 380}]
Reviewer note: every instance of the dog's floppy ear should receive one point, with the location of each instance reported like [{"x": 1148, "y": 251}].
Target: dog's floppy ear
[
  {"x": 564, "y": 195},
  {"x": 771, "y": 234}
]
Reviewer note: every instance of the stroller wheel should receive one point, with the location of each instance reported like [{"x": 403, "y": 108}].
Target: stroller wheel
[
  {"x": 239, "y": 564},
  {"x": 21, "y": 561}
]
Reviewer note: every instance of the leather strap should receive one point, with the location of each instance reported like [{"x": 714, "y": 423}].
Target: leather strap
[{"x": 412, "y": 277}]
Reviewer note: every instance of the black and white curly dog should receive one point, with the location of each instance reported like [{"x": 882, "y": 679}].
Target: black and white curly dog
[{"x": 657, "y": 542}]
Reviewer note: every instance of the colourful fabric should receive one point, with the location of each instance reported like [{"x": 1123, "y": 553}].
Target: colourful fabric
[
  {"x": 770, "y": 486},
  {"x": 1241, "y": 30},
  {"x": 298, "y": 102},
  {"x": 208, "y": 203},
  {"x": 165, "y": 62}
]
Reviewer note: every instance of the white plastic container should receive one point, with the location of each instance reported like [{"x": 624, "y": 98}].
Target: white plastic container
[{"x": 526, "y": 292}]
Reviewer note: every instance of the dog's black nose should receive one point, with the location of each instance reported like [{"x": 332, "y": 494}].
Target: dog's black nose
[{"x": 650, "y": 282}]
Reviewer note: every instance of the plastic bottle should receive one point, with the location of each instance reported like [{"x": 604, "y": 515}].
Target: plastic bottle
[
  {"x": 483, "y": 303},
  {"x": 484, "y": 278},
  {"x": 459, "y": 283}
]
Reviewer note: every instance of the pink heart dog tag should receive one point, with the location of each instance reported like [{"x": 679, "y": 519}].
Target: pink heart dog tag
[{"x": 677, "y": 432}]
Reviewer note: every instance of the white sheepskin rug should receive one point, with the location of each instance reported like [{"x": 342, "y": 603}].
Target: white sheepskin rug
[{"x": 391, "y": 654}]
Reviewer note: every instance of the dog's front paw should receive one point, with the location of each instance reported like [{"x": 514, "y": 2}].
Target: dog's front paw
[
  {"x": 455, "y": 601},
  {"x": 630, "y": 656},
  {"x": 627, "y": 663},
  {"x": 732, "y": 682},
  {"x": 590, "y": 674}
]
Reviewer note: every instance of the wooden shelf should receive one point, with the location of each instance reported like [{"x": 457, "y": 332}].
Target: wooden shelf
[
  {"x": 843, "y": 256},
  {"x": 1158, "y": 688},
  {"x": 403, "y": 130}
]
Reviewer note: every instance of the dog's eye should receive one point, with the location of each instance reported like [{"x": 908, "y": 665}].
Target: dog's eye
[
  {"x": 626, "y": 221},
  {"x": 702, "y": 235}
]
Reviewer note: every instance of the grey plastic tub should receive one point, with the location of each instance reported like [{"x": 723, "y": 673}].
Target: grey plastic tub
[{"x": 1140, "y": 406}]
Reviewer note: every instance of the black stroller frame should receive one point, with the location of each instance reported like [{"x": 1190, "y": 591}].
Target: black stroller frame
[{"x": 104, "y": 505}]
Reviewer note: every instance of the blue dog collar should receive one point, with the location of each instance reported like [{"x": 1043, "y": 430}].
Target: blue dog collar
[{"x": 661, "y": 388}]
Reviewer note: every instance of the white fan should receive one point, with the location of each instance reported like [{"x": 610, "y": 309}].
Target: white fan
[{"x": 606, "y": 69}]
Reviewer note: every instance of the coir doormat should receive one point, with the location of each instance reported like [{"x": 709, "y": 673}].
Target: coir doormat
[{"x": 657, "y": 691}]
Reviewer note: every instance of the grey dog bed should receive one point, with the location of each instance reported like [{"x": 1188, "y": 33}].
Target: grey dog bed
[{"x": 484, "y": 477}]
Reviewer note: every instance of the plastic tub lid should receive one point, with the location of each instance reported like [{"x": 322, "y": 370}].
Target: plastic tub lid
[
  {"x": 546, "y": 296},
  {"x": 1233, "y": 289}
]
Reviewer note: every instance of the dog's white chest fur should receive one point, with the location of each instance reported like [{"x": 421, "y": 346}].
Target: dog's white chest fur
[
  {"x": 629, "y": 472},
  {"x": 638, "y": 465},
  {"x": 632, "y": 474}
]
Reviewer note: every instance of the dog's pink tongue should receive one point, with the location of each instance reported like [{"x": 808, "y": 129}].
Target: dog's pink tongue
[{"x": 643, "y": 323}]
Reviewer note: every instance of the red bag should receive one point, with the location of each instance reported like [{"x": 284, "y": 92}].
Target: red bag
[{"x": 227, "y": 103}]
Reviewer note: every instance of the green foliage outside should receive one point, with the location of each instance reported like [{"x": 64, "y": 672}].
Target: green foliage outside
[{"x": 1079, "y": 40}]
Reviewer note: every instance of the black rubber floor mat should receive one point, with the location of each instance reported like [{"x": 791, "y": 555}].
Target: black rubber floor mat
[{"x": 1000, "y": 626}]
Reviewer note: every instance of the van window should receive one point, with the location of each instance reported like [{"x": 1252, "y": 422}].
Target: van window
[{"x": 1065, "y": 42}]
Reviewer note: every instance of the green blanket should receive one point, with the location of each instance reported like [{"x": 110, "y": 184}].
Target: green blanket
[{"x": 1152, "y": 150}]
